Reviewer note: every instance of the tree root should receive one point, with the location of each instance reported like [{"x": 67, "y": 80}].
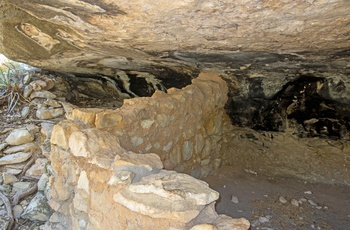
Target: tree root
[
  {"x": 20, "y": 195},
  {"x": 26, "y": 167},
  {"x": 8, "y": 209}
]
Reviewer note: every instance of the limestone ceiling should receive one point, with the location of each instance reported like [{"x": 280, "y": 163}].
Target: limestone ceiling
[{"x": 100, "y": 36}]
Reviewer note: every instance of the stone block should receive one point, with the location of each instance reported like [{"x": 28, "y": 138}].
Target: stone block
[
  {"x": 62, "y": 131},
  {"x": 86, "y": 115},
  {"x": 167, "y": 194},
  {"x": 109, "y": 119}
]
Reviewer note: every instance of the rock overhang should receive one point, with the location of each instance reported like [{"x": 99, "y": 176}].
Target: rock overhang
[{"x": 143, "y": 35}]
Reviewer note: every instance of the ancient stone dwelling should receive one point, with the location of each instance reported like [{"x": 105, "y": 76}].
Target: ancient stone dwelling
[{"x": 137, "y": 102}]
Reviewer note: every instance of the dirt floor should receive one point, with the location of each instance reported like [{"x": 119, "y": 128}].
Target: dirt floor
[{"x": 281, "y": 203}]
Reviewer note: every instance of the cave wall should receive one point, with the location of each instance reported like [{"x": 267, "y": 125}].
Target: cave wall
[{"x": 108, "y": 164}]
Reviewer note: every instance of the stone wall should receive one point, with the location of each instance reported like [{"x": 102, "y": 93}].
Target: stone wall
[
  {"x": 184, "y": 127},
  {"x": 108, "y": 171}
]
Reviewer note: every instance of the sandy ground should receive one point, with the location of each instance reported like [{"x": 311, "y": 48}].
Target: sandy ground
[{"x": 281, "y": 203}]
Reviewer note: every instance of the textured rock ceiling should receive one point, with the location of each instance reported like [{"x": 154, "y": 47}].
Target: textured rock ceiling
[
  {"x": 99, "y": 36},
  {"x": 280, "y": 58}
]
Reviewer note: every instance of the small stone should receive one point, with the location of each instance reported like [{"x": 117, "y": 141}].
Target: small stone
[
  {"x": 9, "y": 178},
  {"x": 42, "y": 182},
  {"x": 282, "y": 200},
  {"x": 55, "y": 217},
  {"x": 37, "y": 169},
  {"x": 308, "y": 192},
  {"x": 312, "y": 202},
  {"x": 38, "y": 209},
  {"x": 21, "y": 186},
  {"x": 27, "y": 78},
  {"x": 46, "y": 129},
  {"x": 24, "y": 203},
  {"x": 83, "y": 182},
  {"x": 32, "y": 128},
  {"x": 46, "y": 114},
  {"x": 3, "y": 146},
  {"x": 27, "y": 91},
  {"x": 302, "y": 200},
  {"x": 319, "y": 207},
  {"x": 21, "y": 148},
  {"x": 6, "y": 130},
  {"x": 82, "y": 224},
  {"x": 17, "y": 211},
  {"x": 5, "y": 188},
  {"x": 187, "y": 150},
  {"x": 168, "y": 146},
  {"x": 295, "y": 202},
  {"x": 46, "y": 147},
  {"x": 234, "y": 199},
  {"x": 203, "y": 227},
  {"x": 121, "y": 177},
  {"x": 25, "y": 112},
  {"x": 146, "y": 124},
  {"x": 136, "y": 141},
  {"x": 15, "y": 158},
  {"x": 13, "y": 171},
  {"x": 52, "y": 103},
  {"x": 42, "y": 94},
  {"x": 4, "y": 223},
  {"x": 38, "y": 85},
  {"x": 250, "y": 171},
  {"x": 224, "y": 222},
  {"x": 19, "y": 136},
  {"x": 264, "y": 219},
  {"x": 49, "y": 84}
]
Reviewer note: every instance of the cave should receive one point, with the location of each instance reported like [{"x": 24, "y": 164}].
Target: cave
[{"x": 176, "y": 115}]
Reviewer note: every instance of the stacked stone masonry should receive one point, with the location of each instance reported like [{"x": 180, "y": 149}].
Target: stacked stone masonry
[{"x": 111, "y": 167}]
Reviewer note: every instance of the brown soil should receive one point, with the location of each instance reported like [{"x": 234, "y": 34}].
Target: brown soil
[{"x": 259, "y": 201}]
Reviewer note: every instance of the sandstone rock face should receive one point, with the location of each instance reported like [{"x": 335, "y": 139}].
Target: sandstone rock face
[
  {"x": 102, "y": 36},
  {"x": 114, "y": 162}
]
